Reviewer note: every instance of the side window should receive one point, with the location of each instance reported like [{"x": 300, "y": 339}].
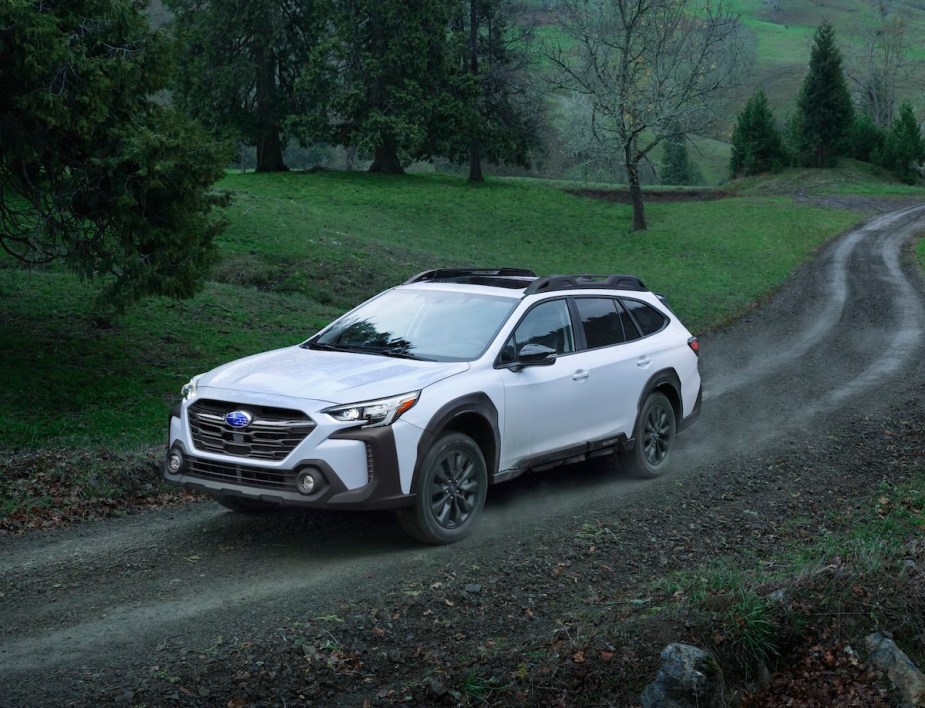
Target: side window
[
  {"x": 600, "y": 321},
  {"x": 650, "y": 320},
  {"x": 548, "y": 324}
]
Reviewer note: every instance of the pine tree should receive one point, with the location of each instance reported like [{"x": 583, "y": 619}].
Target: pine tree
[
  {"x": 824, "y": 116},
  {"x": 676, "y": 164},
  {"x": 867, "y": 139},
  {"x": 240, "y": 60},
  {"x": 904, "y": 151},
  {"x": 94, "y": 172},
  {"x": 398, "y": 80},
  {"x": 757, "y": 145},
  {"x": 503, "y": 114}
]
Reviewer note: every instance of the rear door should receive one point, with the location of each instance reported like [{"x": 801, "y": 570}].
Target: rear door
[{"x": 617, "y": 359}]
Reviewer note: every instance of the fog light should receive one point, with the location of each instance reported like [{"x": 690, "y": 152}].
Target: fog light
[
  {"x": 306, "y": 483},
  {"x": 174, "y": 462}
]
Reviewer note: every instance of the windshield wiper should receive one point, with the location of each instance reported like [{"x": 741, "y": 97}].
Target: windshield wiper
[
  {"x": 396, "y": 351},
  {"x": 326, "y": 347}
]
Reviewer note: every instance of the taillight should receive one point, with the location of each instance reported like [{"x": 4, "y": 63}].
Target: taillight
[{"x": 694, "y": 344}]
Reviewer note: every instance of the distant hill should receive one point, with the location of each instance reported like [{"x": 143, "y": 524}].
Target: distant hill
[
  {"x": 782, "y": 31},
  {"x": 781, "y": 34}
]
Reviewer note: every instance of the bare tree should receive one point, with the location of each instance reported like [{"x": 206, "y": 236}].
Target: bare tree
[
  {"x": 881, "y": 59},
  {"x": 651, "y": 70}
]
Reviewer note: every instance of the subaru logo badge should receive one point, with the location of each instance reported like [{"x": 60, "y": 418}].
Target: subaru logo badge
[{"x": 239, "y": 419}]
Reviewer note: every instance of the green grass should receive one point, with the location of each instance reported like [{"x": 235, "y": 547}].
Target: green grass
[
  {"x": 302, "y": 248},
  {"x": 355, "y": 234}
]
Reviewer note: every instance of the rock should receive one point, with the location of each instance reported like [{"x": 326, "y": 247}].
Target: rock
[
  {"x": 437, "y": 687},
  {"x": 903, "y": 674},
  {"x": 688, "y": 677}
]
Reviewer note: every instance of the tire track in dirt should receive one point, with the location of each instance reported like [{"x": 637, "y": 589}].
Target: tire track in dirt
[{"x": 879, "y": 242}]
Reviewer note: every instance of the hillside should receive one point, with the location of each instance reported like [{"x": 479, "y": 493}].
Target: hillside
[{"x": 780, "y": 34}]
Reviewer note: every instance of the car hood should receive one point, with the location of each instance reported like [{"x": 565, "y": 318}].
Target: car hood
[{"x": 335, "y": 377}]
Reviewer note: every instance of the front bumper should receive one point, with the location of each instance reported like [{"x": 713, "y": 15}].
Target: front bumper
[{"x": 280, "y": 485}]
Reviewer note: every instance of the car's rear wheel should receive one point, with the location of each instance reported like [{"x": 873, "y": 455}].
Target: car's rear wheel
[
  {"x": 244, "y": 505},
  {"x": 654, "y": 437},
  {"x": 450, "y": 492}
]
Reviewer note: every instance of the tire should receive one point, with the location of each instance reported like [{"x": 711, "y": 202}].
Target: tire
[
  {"x": 654, "y": 437},
  {"x": 451, "y": 490},
  {"x": 244, "y": 505}
]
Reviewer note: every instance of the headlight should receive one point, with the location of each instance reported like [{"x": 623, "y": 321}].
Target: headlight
[
  {"x": 189, "y": 390},
  {"x": 371, "y": 414}
]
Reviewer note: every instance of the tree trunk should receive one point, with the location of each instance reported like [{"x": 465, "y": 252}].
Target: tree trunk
[
  {"x": 267, "y": 139},
  {"x": 475, "y": 162},
  {"x": 475, "y": 147},
  {"x": 270, "y": 152},
  {"x": 632, "y": 176},
  {"x": 386, "y": 159}
]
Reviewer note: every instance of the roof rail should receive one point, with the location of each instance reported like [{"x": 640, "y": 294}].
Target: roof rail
[
  {"x": 447, "y": 273},
  {"x": 572, "y": 282}
]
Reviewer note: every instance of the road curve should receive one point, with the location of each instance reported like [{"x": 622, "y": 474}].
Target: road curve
[{"x": 845, "y": 331}]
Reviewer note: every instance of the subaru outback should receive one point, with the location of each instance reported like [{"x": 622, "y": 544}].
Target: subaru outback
[{"x": 422, "y": 397}]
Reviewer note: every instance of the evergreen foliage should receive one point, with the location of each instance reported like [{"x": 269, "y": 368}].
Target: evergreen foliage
[
  {"x": 504, "y": 114},
  {"x": 399, "y": 86},
  {"x": 239, "y": 62},
  {"x": 825, "y": 115},
  {"x": 405, "y": 81},
  {"x": 904, "y": 150},
  {"x": 757, "y": 145},
  {"x": 867, "y": 139},
  {"x": 92, "y": 170},
  {"x": 677, "y": 168}
]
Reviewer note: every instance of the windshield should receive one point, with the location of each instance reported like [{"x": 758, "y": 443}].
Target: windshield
[{"x": 418, "y": 324}]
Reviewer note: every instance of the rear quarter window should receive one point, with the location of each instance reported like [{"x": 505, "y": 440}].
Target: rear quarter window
[
  {"x": 647, "y": 317},
  {"x": 600, "y": 320}
]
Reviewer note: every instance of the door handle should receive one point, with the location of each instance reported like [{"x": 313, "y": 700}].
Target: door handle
[
  {"x": 581, "y": 375},
  {"x": 643, "y": 361}
]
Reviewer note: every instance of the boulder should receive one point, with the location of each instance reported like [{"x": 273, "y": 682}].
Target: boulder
[
  {"x": 688, "y": 677},
  {"x": 907, "y": 679}
]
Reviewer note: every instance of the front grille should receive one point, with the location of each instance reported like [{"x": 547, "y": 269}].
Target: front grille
[
  {"x": 274, "y": 433},
  {"x": 242, "y": 474}
]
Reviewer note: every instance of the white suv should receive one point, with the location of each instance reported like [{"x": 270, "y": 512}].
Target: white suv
[{"x": 425, "y": 395}]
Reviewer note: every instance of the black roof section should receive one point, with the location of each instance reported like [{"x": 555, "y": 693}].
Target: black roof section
[
  {"x": 517, "y": 278},
  {"x": 550, "y": 283}
]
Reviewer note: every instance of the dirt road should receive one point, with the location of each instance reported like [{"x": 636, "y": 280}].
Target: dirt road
[{"x": 163, "y": 607}]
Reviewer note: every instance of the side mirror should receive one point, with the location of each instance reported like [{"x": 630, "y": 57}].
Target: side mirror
[{"x": 534, "y": 355}]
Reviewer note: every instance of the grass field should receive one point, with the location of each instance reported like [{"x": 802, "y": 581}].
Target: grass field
[{"x": 301, "y": 248}]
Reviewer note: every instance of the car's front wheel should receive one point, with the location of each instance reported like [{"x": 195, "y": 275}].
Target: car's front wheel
[
  {"x": 654, "y": 437},
  {"x": 450, "y": 491},
  {"x": 244, "y": 505}
]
